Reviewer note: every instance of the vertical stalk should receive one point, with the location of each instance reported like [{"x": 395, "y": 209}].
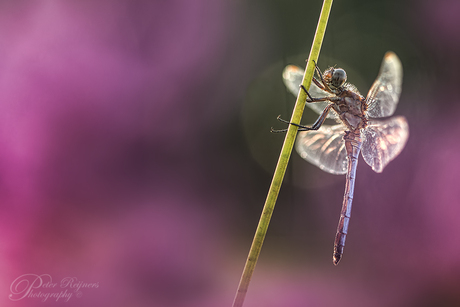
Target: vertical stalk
[{"x": 283, "y": 160}]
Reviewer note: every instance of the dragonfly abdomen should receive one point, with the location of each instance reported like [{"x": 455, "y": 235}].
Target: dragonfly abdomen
[{"x": 353, "y": 147}]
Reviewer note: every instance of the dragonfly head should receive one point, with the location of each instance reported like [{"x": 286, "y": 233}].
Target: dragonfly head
[{"x": 335, "y": 77}]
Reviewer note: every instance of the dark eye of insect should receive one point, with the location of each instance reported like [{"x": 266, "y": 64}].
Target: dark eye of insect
[{"x": 339, "y": 76}]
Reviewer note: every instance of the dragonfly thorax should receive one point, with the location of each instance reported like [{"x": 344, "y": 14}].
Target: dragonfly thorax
[{"x": 351, "y": 108}]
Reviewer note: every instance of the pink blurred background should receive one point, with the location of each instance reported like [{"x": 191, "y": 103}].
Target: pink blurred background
[{"x": 136, "y": 155}]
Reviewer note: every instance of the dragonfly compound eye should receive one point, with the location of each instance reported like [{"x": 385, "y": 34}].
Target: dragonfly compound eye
[{"x": 339, "y": 76}]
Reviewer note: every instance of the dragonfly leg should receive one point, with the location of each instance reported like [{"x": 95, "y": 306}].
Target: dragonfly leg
[
  {"x": 311, "y": 99},
  {"x": 322, "y": 85},
  {"x": 318, "y": 71},
  {"x": 308, "y": 94},
  {"x": 315, "y": 126},
  {"x": 278, "y": 130},
  {"x": 319, "y": 84}
]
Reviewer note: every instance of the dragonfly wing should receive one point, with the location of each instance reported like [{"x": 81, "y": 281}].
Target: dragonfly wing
[
  {"x": 384, "y": 93},
  {"x": 383, "y": 141},
  {"x": 324, "y": 148},
  {"x": 293, "y": 76}
]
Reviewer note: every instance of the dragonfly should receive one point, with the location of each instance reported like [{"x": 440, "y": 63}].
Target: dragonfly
[{"x": 362, "y": 124}]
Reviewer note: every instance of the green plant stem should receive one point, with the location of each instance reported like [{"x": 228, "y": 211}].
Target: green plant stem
[{"x": 283, "y": 159}]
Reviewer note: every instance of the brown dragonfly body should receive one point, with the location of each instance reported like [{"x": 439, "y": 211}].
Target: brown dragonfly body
[{"x": 350, "y": 107}]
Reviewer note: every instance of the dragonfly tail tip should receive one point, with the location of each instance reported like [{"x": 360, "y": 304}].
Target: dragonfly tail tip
[{"x": 336, "y": 259}]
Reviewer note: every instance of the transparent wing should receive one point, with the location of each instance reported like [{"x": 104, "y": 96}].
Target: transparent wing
[
  {"x": 324, "y": 148},
  {"x": 293, "y": 76},
  {"x": 384, "y": 93},
  {"x": 383, "y": 140}
]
